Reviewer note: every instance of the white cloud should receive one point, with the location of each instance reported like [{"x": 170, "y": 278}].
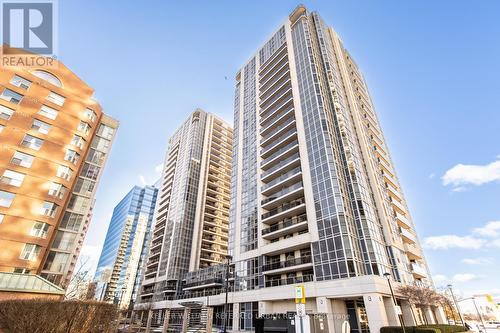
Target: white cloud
[
  {"x": 453, "y": 241},
  {"x": 477, "y": 261},
  {"x": 491, "y": 229},
  {"x": 159, "y": 168},
  {"x": 440, "y": 279},
  {"x": 432, "y": 175},
  {"x": 462, "y": 174},
  {"x": 89, "y": 256},
  {"x": 460, "y": 189},
  {"x": 465, "y": 277}
]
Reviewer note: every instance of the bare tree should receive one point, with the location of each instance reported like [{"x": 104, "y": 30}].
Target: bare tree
[{"x": 80, "y": 281}]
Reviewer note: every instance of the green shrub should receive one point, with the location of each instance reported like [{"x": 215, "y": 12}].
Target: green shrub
[
  {"x": 409, "y": 329},
  {"x": 447, "y": 328},
  {"x": 42, "y": 316}
]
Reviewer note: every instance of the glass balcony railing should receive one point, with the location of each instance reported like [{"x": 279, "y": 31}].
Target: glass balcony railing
[
  {"x": 284, "y": 207},
  {"x": 280, "y": 165},
  {"x": 288, "y": 222},
  {"x": 278, "y": 152},
  {"x": 291, "y": 280},
  {"x": 287, "y": 263},
  {"x": 281, "y": 178},
  {"x": 278, "y": 141},
  {"x": 283, "y": 192}
]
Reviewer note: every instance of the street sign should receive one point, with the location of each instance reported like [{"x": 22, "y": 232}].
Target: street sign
[
  {"x": 301, "y": 309},
  {"x": 300, "y": 295}
]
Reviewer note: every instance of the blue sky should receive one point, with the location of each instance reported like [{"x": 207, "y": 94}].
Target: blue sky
[{"x": 432, "y": 68}]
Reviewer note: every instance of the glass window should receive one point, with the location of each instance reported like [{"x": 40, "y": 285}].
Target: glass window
[
  {"x": 20, "y": 270},
  {"x": 20, "y": 82},
  {"x": 1, "y": 128},
  {"x": 56, "y": 261},
  {"x": 64, "y": 172},
  {"x": 84, "y": 127},
  {"x": 6, "y": 198},
  {"x": 57, "y": 190},
  {"x": 40, "y": 126},
  {"x": 12, "y": 178},
  {"x": 11, "y": 96},
  {"x": 30, "y": 252},
  {"x": 32, "y": 142},
  {"x": 22, "y": 159},
  {"x": 1, "y": 218},
  {"x": 71, "y": 156},
  {"x": 90, "y": 115},
  {"x": 84, "y": 186},
  {"x": 100, "y": 144},
  {"x": 56, "y": 98},
  {"x": 95, "y": 156},
  {"x": 64, "y": 240},
  {"x": 40, "y": 230},
  {"x": 48, "y": 209},
  {"x": 106, "y": 131},
  {"x": 90, "y": 171},
  {"x": 78, "y": 204},
  {"x": 48, "y": 112},
  {"x": 49, "y": 77},
  {"x": 78, "y": 141},
  {"x": 5, "y": 112},
  {"x": 71, "y": 221}
]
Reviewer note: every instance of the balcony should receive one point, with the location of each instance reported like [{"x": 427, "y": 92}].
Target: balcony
[
  {"x": 286, "y": 194},
  {"x": 418, "y": 270},
  {"x": 284, "y": 139},
  {"x": 408, "y": 237},
  {"x": 398, "y": 206},
  {"x": 413, "y": 252},
  {"x": 285, "y": 179},
  {"x": 278, "y": 131},
  {"x": 281, "y": 76},
  {"x": 287, "y": 226},
  {"x": 280, "y": 155},
  {"x": 273, "y": 91},
  {"x": 402, "y": 220},
  {"x": 281, "y": 167},
  {"x": 393, "y": 192},
  {"x": 294, "y": 207},
  {"x": 291, "y": 280},
  {"x": 283, "y": 266},
  {"x": 278, "y": 110}
]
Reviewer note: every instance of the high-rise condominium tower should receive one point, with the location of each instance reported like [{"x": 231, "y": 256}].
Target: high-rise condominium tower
[
  {"x": 315, "y": 198},
  {"x": 119, "y": 270},
  {"x": 55, "y": 140},
  {"x": 192, "y": 213}
]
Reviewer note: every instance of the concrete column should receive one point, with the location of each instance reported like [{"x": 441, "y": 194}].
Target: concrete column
[
  {"x": 390, "y": 311},
  {"x": 185, "y": 320},
  {"x": 375, "y": 310},
  {"x": 210, "y": 314},
  {"x": 324, "y": 305},
  {"x": 440, "y": 315},
  {"x": 339, "y": 315},
  {"x": 429, "y": 315},
  {"x": 409, "y": 315},
  {"x": 236, "y": 317},
  {"x": 265, "y": 307},
  {"x": 148, "y": 323},
  {"x": 166, "y": 321}
]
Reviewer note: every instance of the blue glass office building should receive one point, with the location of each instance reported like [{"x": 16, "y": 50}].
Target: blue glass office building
[{"x": 119, "y": 271}]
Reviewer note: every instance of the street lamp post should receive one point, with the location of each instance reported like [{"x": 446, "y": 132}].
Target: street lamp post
[
  {"x": 477, "y": 309},
  {"x": 388, "y": 277},
  {"x": 456, "y": 304},
  {"x": 226, "y": 312}
]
